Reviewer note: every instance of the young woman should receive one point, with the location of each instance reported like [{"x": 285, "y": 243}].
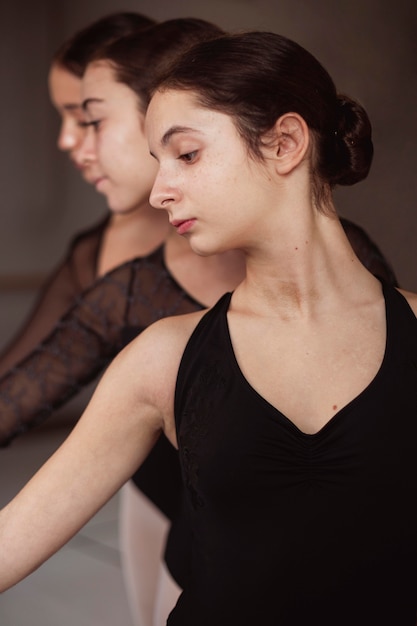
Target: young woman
[
  {"x": 89, "y": 253},
  {"x": 225, "y": 189},
  {"x": 134, "y": 281},
  {"x": 86, "y": 343},
  {"x": 116, "y": 94}
]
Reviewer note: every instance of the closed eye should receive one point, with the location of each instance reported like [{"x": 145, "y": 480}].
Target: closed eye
[{"x": 94, "y": 123}]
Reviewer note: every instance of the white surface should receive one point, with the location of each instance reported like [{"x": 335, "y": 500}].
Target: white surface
[{"x": 82, "y": 584}]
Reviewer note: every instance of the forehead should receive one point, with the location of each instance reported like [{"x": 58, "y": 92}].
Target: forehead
[
  {"x": 64, "y": 87},
  {"x": 100, "y": 82},
  {"x": 174, "y": 109},
  {"x": 98, "y": 73}
]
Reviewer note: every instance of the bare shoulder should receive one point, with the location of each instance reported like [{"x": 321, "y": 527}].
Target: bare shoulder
[
  {"x": 140, "y": 382},
  {"x": 411, "y": 299},
  {"x": 148, "y": 366},
  {"x": 160, "y": 346},
  {"x": 169, "y": 334}
]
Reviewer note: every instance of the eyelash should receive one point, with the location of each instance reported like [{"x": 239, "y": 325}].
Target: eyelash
[
  {"x": 94, "y": 123},
  {"x": 188, "y": 157}
]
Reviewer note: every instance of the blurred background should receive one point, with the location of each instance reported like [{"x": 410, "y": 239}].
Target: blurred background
[{"x": 370, "y": 49}]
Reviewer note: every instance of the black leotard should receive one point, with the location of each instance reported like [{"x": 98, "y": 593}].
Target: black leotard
[
  {"x": 78, "y": 325},
  {"x": 291, "y": 529}
]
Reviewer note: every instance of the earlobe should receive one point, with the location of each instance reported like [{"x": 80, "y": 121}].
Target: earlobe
[{"x": 291, "y": 143}]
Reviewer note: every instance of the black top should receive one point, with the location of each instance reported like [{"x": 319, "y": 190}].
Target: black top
[
  {"x": 292, "y": 529},
  {"x": 74, "y": 274},
  {"x": 77, "y": 326},
  {"x": 80, "y": 322},
  {"x": 100, "y": 323}
]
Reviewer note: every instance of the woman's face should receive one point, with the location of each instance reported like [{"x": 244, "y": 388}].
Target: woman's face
[
  {"x": 213, "y": 191},
  {"x": 65, "y": 94},
  {"x": 115, "y": 140}
]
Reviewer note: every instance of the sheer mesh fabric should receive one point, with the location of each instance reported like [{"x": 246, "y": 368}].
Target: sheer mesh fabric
[
  {"x": 80, "y": 323},
  {"x": 86, "y": 338},
  {"x": 73, "y": 275}
]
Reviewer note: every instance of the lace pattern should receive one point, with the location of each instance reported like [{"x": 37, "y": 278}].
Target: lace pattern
[{"x": 122, "y": 303}]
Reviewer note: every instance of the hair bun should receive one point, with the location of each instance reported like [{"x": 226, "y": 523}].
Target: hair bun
[{"x": 353, "y": 142}]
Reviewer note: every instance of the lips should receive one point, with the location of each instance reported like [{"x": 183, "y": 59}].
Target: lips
[
  {"x": 91, "y": 177},
  {"x": 78, "y": 166},
  {"x": 97, "y": 181},
  {"x": 183, "y": 226}
]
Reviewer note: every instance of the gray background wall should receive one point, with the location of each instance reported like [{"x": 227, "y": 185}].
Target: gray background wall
[{"x": 369, "y": 47}]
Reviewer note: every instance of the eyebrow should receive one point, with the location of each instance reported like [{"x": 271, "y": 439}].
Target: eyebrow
[
  {"x": 89, "y": 101},
  {"x": 71, "y": 106},
  {"x": 174, "y": 130}
]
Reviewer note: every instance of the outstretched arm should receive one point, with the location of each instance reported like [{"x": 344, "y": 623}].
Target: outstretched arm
[{"x": 132, "y": 405}]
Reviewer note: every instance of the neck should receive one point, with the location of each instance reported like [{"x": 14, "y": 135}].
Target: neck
[
  {"x": 143, "y": 214},
  {"x": 302, "y": 267},
  {"x": 205, "y": 278},
  {"x": 131, "y": 235}
]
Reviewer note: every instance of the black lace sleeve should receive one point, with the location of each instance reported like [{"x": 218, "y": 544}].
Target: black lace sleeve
[
  {"x": 103, "y": 319},
  {"x": 107, "y": 315},
  {"x": 73, "y": 275}
]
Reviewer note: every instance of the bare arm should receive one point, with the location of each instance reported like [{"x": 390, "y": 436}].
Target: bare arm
[{"x": 132, "y": 405}]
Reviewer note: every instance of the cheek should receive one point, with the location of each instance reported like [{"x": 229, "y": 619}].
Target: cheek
[
  {"x": 79, "y": 137},
  {"x": 150, "y": 165},
  {"x": 139, "y": 161},
  {"x": 110, "y": 152},
  {"x": 99, "y": 148}
]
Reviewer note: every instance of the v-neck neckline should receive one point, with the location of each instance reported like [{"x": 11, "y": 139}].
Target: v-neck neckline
[{"x": 277, "y": 413}]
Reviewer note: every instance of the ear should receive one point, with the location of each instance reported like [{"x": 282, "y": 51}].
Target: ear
[{"x": 291, "y": 141}]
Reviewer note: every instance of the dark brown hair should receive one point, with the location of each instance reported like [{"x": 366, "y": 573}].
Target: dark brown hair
[
  {"x": 138, "y": 59},
  {"x": 75, "y": 53},
  {"x": 256, "y": 77}
]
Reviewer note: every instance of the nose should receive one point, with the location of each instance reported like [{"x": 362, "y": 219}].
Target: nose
[
  {"x": 70, "y": 135},
  {"x": 162, "y": 194},
  {"x": 85, "y": 150}
]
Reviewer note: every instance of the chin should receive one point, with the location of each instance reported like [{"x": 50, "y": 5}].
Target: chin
[
  {"x": 120, "y": 210},
  {"x": 204, "y": 250}
]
